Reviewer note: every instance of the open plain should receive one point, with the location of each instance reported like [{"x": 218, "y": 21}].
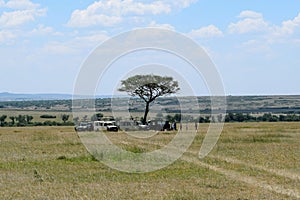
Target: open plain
[{"x": 250, "y": 161}]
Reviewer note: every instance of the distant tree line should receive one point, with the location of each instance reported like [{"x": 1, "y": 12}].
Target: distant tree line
[
  {"x": 35, "y": 103},
  {"x": 27, "y": 120},
  {"x": 20, "y": 120},
  {"x": 267, "y": 117},
  {"x": 234, "y": 117}
]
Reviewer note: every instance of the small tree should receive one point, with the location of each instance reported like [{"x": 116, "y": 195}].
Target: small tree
[
  {"x": 29, "y": 118},
  {"x": 148, "y": 88},
  {"x": 65, "y": 118},
  {"x": 12, "y": 118},
  {"x": 21, "y": 120},
  {"x": 2, "y": 120}
]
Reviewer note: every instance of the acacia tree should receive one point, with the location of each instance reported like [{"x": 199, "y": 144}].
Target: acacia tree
[
  {"x": 148, "y": 88},
  {"x": 65, "y": 118}
]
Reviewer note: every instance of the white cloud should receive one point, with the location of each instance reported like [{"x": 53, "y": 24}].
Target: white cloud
[
  {"x": 288, "y": 27},
  {"x": 45, "y": 30},
  {"x": 206, "y": 32},
  {"x": 91, "y": 40},
  {"x": 41, "y": 29},
  {"x": 164, "y": 26},
  {"x": 113, "y": 12},
  {"x": 250, "y": 14},
  {"x": 76, "y": 45},
  {"x": 257, "y": 47},
  {"x": 139, "y": 8},
  {"x": 23, "y": 11},
  {"x": 57, "y": 48},
  {"x": 181, "y": 3},
  {"x": 83, "y": 18},
  {"x": 6, "y": 36},
  {"x": 254, "y": 22},
  {"x": 251, "y": 22},
  {"x": 19, "y": 17},
  {"x": 17, "y": 13},
  {"x": 19, "y": 4}
]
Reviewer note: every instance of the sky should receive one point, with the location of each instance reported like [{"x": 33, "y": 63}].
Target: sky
[{"x": 254, "y": 44}]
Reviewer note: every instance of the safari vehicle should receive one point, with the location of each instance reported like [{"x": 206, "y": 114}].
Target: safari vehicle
[
  {"x": 84, "y": 126},
  {"x": 128, "y": 125},
  {"x": 105, "y": 125},
  {"x": 156, "y": 125},
  {"x": 112, "y": 128}
]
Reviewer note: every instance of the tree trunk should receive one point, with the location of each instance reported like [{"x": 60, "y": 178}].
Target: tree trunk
[{"x": 146, "y": 113}]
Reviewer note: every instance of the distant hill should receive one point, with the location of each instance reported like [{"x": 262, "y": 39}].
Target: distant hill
[
  {"x": 6, "y": 96},
  {"x": 287, "y": 104}
]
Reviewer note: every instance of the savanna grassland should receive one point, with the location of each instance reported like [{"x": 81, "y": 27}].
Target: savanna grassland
[{"x": 250, "y": 161}]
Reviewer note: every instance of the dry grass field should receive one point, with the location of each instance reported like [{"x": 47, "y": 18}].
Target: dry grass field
[{"x": 250, "y": 161}]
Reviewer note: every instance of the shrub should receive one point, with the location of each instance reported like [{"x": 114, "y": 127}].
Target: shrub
[{"x": 48, "y": 116}]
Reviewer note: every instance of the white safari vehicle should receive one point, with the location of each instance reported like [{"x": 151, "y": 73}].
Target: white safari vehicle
[{"x": 105, "y": 125}]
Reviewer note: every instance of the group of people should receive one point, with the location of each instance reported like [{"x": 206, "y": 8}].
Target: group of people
[{"x": 173, "y": 126}]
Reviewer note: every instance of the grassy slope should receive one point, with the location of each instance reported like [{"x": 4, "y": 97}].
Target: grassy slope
[{"x": 51, "y": 163}]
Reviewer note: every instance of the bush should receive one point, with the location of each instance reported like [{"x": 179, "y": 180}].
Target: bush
[
  {"x": 50, "y": 123},
  {"x": 48, "y": 116}
]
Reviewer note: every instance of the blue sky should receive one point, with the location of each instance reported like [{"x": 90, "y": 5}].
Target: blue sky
[{"x": 254, "y": 44}]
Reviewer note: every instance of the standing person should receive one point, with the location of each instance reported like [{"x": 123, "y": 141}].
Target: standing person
[
  {"x": 196, "y": 126},
  {"x": 174, "y": 126},
  {"x": 180, "y": 127}
]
